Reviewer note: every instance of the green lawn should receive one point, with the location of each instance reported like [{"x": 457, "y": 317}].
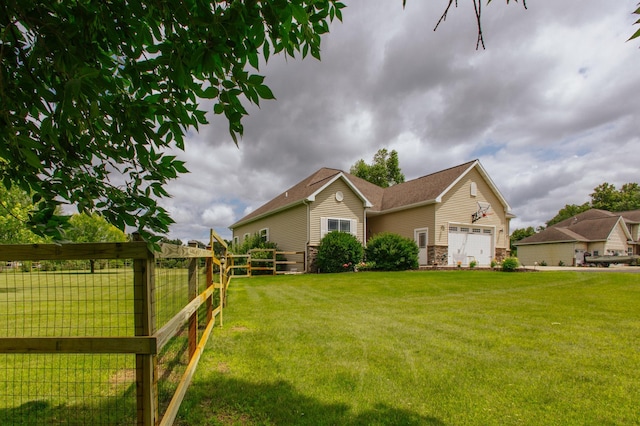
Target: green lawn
[
  {"x": 441, "y": 348},
  {"x": 81, "y": 388}
]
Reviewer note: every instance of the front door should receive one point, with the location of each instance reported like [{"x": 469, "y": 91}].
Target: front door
[{"x": 420, "y": 236}]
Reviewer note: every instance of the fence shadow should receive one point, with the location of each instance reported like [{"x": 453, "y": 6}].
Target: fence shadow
[
  {"x": 119, "y": 410},
  {"x": 229, "y": 401}
]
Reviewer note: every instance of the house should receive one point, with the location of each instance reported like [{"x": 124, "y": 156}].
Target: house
[
  {"x": 594, "y": 231},
  {"x": 455, "y": 215}
]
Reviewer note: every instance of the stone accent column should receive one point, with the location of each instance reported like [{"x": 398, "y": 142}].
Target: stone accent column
[
  {"x": 501, "y": 254},
  {"x": 437, "y": 255},
  {"x": 312, "y": 254}
]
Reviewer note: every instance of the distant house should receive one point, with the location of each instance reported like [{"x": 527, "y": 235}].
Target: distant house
[
  {"x": 594, "y": 231},
  {"x": 455, "y": 215}
]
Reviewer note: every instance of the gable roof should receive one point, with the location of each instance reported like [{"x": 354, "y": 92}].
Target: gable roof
[
  {"x": 589, "y": 226},
  {"x": 423, "y": 190}
]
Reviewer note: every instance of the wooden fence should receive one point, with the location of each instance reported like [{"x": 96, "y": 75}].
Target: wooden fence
[
  {"x": 150, "y": 334},
  {"x": 268, "y": 261}
]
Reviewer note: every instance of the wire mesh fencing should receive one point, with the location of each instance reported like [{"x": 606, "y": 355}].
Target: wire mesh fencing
[{"x": 101, "y": 334}]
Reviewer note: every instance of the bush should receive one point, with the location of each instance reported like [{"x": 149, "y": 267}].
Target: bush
[
  {"x": 339, "y": 252},
  {"x": 510, "y": 264},
  {"x": 392, "y": 252}
]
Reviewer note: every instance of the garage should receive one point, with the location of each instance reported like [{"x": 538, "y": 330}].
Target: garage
[{"x": 468, "y": 243}]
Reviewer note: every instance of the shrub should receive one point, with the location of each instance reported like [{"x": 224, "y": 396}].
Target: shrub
[
  {"x": 473, "y": 264},
  {"x": 510, "y": 264},
  {"x": 255, "y": 241},
  {"x": 392, "y": 252},
  {"x": 339, "y": 252}
]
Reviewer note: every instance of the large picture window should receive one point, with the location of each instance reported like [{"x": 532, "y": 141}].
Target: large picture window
[{"x": 330, "y": 224}]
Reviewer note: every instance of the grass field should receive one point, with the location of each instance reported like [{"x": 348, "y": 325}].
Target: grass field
[
  {"x": 81, "y": 388},
  {"x": 414, "y": 348}
]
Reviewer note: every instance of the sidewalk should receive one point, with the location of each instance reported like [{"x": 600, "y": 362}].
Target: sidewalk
[{"x": 612, "y": 268}]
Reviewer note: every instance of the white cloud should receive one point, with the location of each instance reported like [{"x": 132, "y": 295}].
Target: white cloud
[{"x": 218, "y": 216}]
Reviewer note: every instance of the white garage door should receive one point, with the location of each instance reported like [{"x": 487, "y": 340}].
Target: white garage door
[{"x": 470, "y": 243}]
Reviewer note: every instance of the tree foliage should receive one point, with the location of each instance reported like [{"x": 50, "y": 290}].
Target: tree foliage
[
  {"x": 85, "y": 228},
  {"x": 15, "y": 208},
  {"x": 384, "y": 171},
  {"x": 606, "y": 197},
  {"x": 94, "y": 93},
  {"x": 637, "y": 33}
]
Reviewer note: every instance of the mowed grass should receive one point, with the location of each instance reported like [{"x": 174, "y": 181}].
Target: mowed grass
[
  {"x": 81, "y": 388},
  {"x": 413, "y": 348}
]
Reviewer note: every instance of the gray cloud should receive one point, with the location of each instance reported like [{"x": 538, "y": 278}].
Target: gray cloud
[{"x": 549, "y": 108}]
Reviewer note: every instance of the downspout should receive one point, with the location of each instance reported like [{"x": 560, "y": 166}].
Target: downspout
[
  {"x": 306, "y": 248},
  {"x": 364, "y": 227}
]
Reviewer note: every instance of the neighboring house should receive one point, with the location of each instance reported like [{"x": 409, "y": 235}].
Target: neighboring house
[
  {"x": 436, "y": 210},
  {"x": 594, "y": 231}
]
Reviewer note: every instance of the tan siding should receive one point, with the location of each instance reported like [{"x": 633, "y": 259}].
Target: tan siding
[
  {"x": 287, "y": 229},
  {"x": 597, "y": 247},
  {"x": 617, "y": 242},
  {"x": 552, "y": 254},
  {"x": 458, "y": 205},
  {"x": 403, "y": 222},
  {"x": 326, "y": 205}
]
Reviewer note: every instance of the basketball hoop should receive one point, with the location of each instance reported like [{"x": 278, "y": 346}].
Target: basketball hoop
[{"x": 483, "y": 211}]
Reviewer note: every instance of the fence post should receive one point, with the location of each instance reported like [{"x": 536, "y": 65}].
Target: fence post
[
  {"x": 144, "y": 313},
  {"x": 193, "y": 292},
  {"x": 209, "y": 303}
]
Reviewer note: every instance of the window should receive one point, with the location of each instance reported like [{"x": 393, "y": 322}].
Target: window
[
  {"x": 453, "y": 229},
  {"x": 422, "y": 240},
  {"x": 236, "y": 241},
  {"x": 596, "y": 253},
  {"x": 264, "y": 234},
  {"x": 476, "y": 230},
  {"x": 464, "y": 229},
  {"x": 486, "y": 231},
  {"x": 246, "y": 237},
  {"x": 330, "y": 224}
]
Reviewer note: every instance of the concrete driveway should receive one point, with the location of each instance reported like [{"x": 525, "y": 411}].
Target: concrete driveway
[{"x": 612, "y": 268}]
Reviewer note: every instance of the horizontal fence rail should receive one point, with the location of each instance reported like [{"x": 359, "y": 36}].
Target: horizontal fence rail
[
  {"x": 266, "y": 261},
  {"x": 104, "y": 333}
]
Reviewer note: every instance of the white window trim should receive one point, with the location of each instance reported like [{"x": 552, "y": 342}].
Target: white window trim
[
  {"x": 264, "y": 234},
  {"x": 324, "y": 225}
]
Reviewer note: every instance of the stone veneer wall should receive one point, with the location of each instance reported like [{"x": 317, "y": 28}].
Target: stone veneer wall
[
  {"x": 501, "y": 254},
  {"x": 437, "y": 255},
  {"x": 312, "y": 255}
]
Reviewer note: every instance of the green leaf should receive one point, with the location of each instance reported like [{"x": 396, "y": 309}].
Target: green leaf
[
  {"x": 299, "y": 14},
  {"x": 264, "y": 92}
]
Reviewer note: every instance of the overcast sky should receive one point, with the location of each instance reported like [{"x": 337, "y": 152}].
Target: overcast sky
[{"x": 551, "y": 108}]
